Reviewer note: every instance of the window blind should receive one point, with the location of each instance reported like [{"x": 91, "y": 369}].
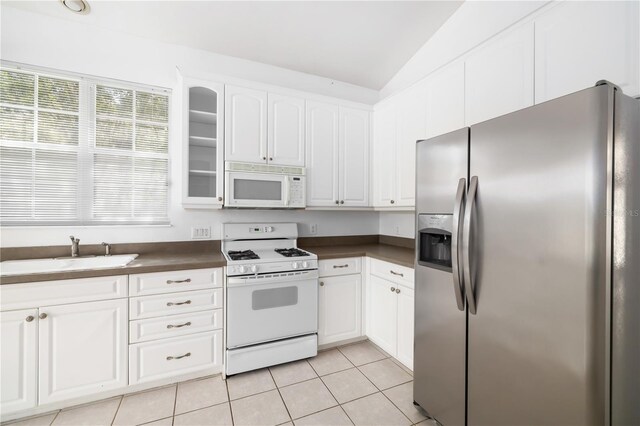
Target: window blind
[{"x": 79, "y": 151}]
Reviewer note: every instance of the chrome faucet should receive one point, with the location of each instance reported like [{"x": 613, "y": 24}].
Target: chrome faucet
[
  {"x": 75, "y": 247},
  {"x": 107, "y": 249}
]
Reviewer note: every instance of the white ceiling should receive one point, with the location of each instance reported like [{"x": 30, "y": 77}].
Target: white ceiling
[{"x": 360, "y": 42}]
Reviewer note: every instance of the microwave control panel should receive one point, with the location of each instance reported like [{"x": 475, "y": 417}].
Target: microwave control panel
[{"x": 296, "y": 191}]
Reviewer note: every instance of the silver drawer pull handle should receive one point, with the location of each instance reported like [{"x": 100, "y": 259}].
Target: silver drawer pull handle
[
  {"x": 188, "y": 280},
  {"x": 397, "y": 273},
  {"x": 186, "y": 324},
  {"x": 186, "y": 302},
  {"x": 340, "y": 266},
  {"x": 169, "y": 358}
]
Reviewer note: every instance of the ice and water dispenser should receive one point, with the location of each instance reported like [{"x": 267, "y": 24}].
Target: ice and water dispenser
[{"x": 434, "y": 233}]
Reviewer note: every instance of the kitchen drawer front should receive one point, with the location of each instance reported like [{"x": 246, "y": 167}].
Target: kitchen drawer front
[
  {"x": 148, "y": 329},
  {"x": 392, "y": 272},
  {"x": 344, "y": 266},
  {"x": 60, "y": 292},
  {"x": 174, "y": 281},
  {"x": 174, "y": 303},
  {"x": 166, "y": 358}
]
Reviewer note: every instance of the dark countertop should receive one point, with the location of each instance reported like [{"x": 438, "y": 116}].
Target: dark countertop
[
  {"x": 167, "y": 257},
  {"x": 394, "y": 254}
]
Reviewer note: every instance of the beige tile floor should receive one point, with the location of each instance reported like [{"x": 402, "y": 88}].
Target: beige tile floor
[{"x": 357, "y": 384}]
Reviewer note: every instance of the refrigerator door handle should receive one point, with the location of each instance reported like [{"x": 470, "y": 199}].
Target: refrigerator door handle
[
  {"x": 458, "y": 212},
  {"x": 466, "y": 244}
]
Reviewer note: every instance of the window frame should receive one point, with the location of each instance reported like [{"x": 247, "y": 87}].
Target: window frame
[{"x": 86, "y": 147}]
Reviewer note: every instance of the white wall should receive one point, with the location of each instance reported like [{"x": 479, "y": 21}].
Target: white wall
[
  {"x": 60, "y": 44},
  {"x": 398, "y": 224}
]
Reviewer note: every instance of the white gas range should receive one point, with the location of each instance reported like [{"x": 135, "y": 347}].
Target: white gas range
[{"x": 271, "y": 297}]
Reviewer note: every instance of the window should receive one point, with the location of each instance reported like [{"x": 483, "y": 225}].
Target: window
[{"x": 80, "y": 151}]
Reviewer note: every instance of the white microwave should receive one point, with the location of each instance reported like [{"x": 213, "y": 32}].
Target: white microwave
[{"x": 264, "y": 186}]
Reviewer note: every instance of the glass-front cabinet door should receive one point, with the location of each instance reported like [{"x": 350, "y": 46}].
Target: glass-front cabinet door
[{"x": 202, "y": 133}]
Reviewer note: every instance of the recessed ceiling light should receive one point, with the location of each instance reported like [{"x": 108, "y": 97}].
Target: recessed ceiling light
[{"x": 76, "y": 6}]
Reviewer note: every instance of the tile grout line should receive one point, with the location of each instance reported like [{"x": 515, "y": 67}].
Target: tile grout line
[
  {"x": 281, "y": 398},
  {"x": 117, "y": 409},
  {"x": 175, "y": 402},
  {"x": 339, "y": 403},
  {"x": 55, "y": 417},
  {"x": 226, "y": 386}
]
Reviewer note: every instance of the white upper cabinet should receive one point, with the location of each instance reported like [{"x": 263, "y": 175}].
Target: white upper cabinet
[
  {"x": 580, "y": 43},
  {"x": 19, "y": 355},
  {"x": 445, "y": 100},
  {"x": 245, "y": 126},
  {"x": 355, "y": 127},
  {"x": 384, "y": 155},
  {"x": 286, "y": 130},
  {"x": 499, "y": 76},
  {"x": 82, "y": 349},
  {"x": 322, "y": 129},
  {"x": 411, "y": 127},
  {"x": 202, "y": 136}
]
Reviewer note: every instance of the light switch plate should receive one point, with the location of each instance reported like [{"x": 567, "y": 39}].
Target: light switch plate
[
  {"x": 313, "y": 229},
  {"x": 201, "y": 233}
]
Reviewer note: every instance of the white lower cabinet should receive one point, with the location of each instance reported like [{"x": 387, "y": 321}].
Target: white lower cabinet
[
  {"x": 340, "y": 305},
  {"x": 390, "y": 311},
  {"x": 18, "y": 360},
  {"x": 82, "y": 349}
]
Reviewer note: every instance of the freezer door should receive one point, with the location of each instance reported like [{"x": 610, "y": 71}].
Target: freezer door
[
  {"x": 537, "y": 343},
  {"x": 440, "y": 326}
]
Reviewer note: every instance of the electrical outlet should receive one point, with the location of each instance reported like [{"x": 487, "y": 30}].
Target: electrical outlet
[
  {"x": 201, "y": 233},
  {"x": 397, "y": 230},
  {"x": 313, "y": 229}
]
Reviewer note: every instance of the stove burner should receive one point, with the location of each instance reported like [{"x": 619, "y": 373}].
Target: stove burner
[
  {"x": 291, "y": 252},
  {"x": 242, "y": 255}
]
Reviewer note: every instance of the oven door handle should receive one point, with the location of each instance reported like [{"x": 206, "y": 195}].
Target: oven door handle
[{"x": 277, "y": 279}]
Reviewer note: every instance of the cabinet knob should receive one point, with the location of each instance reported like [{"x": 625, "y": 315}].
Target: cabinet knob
[
  {"x": 337, "y": 202},
  {"x": 321, "y": 283},
  {"x": 219, "y": 198},
  {"x": 392, "y": 202},
  {"x": 264, "y": 158},
  {"x": 43, "y": 315},
  {"x": 29, "y": 318},
  {"x": 398, "y": 290},
  {"x": 393, "y": 289},
  {"x": 341, "y": 201},
  {"x": 270, "y": 158}
]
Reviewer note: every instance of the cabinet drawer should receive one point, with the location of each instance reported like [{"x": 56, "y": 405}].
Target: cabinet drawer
[
  {"x": 345, "y": 266},
  {"x": 174, "y": 281},
  {"x": 31, "y": 295},
  {"x": 174, "y": 303},
  {"x": 392, "y": 272},
  {"x": 174, "y": 325},
  {"x": 172, "y": 357}
]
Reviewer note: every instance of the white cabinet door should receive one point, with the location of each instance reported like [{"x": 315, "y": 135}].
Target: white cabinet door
[
  {"x": 339, "y": 308},
  {"x": 579, "y": 43},
  {"x": 354, "y": 157},
  {"x": 18, "y": 359},
  {"x": 322, "y": 126},
  {"x": 384, "y": 157},
  {"x": 82, "y": 349},
  {"x": 405, "y": 326},
  {"x": 445, "y": 100},
  {"x": 286, "y": 130},
  {"x": 382, "y": 311},
  {"x": 499, "y": 76},
  {"x": 411, "y": 127},
  {"x": 245, "y": 125}
]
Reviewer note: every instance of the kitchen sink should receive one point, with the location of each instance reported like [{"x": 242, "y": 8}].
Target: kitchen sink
[{"x": 64, "y": 264}]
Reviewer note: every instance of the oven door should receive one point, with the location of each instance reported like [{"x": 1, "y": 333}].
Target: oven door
[
  {"x": 262, "y": 308},
  {"x": 256, "y": 190}
]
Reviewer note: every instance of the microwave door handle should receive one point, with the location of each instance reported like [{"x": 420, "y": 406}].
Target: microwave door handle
[{"x": 286, "y": 191}]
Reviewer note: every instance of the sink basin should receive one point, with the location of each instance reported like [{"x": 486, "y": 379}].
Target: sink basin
[{"x": 63, "y": 264}]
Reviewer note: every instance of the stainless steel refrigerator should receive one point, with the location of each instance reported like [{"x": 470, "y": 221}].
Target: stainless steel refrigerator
[{"x": 527, "y": 293}]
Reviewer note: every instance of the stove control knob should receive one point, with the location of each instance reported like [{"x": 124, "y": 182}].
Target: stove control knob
[
  {"x": 294, "y": 265},
  {"x": 305, "y": 264},
  {"x": 268, "y": 229},
  {"x": 241, "y": 269},
  {"x": 254, "y": 268}
]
